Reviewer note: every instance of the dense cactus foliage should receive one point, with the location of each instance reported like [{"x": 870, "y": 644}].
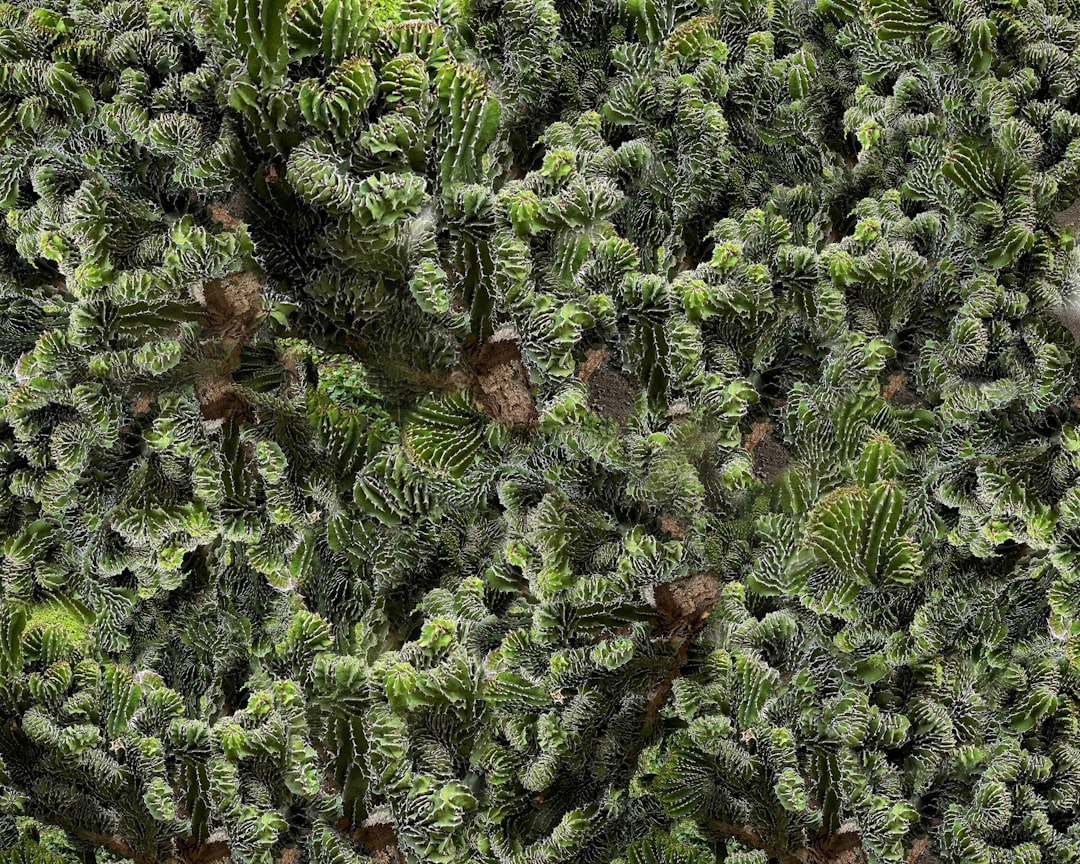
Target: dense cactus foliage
[{"x": 540, "y": 431}]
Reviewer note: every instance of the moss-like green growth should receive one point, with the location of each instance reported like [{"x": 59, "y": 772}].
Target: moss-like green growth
[
  {"x": 385, "y": 12},
  {"x": 346, "y": 382},
  {"x": 57, "y": 616}
]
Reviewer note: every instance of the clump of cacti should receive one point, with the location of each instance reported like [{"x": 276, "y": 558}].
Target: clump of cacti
[{"x": 540, "y": 431}]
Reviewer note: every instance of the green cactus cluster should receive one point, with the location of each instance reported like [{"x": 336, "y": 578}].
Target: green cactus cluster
[{"x": 540, "y": 431}]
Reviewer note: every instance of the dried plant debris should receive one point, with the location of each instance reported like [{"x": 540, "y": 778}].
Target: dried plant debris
[
  {"x": 142, "y": 403},
  {"x": 842, "y": 847},
  {"x": 218, "y": 399},
  {"x": 230, "y": 214},
  {"x": 669, "y": 526},
  {"x": 611, "y": 394},
  {"x": 232, "y": 304},
  {"x": 1069, "y": 314},
  {"x": 594, "y": 359},
  {"x": 502, "y": 384},
  {"x": 378, "y": 839},
  {"x": 770, "y": 457},
  {"x": 897, "y": 391},
  {"x": 1070, "y": 216},
  {"x": 683, "y": 606}
]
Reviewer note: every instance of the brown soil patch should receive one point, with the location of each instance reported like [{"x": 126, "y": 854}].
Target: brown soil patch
[
  {"x": 594, "y": 358},
  {"x": 670, "y": 526},
  {"x": 770, "y": 459},
  {"x": 894, "y": 383},
  {"x": 390, "y": 855},
  {"x": 921, "y": 852},
  {"x": 218, "y": 399},
  {"x": 1069, "y": 315},
  {"x": 232, "y": 316},
  {"x": 380, "y": 842},
  {"x": 502, "y": 384},
  {"x": 843, "y": 847},
  {"x": 230, "y": 214},
  {"x": 232, "y": 306},
  {"x": 919, "y": 848},
  {"x": 142, "y": 403},
  {"x": 897, "y": 392},
  {"x": 211, "y": 852},
  {"x": 1070, "y": 216},
  {"x": 610, "y": 393},
  {"x": 770, "y": 456},
  {"x": 223, "y": 217},
  {"x": 683, "y": 606},
  {"x": 757, "y": 432}
]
